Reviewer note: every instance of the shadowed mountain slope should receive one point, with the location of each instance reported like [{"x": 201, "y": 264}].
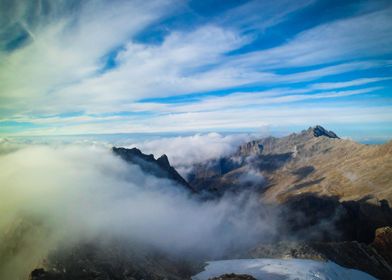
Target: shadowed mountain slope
[
  {"x": 160, "y": 167},
  {"x": 374, "y": 258}
]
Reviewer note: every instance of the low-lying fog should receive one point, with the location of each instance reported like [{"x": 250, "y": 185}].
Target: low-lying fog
[{"x": 65, "y": 194}]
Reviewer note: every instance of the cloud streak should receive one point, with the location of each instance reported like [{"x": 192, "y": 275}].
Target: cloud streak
[{"x": 63, "y": 71}]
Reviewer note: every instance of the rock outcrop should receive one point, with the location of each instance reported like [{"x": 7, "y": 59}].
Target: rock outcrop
[
  {"x": 318, "y": 131},
  {"x": 233, "y": 276},
  {"x": 114, "y": 259},
  {"x": 160, "y": 167},
  {"x": 373, "y": 258},
  {"x": 323, "y": 218},
  {"x": 383, "y": 243}
]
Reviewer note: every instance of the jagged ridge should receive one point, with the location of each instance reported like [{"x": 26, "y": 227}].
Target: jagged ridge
[
  {"x": 314, "y": 160},
  {"x": 158, "y": 167}
]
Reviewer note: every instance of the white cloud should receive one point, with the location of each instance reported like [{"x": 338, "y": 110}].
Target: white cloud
[
  {"x": 247, "y": 99},
  {"x": 357, "y": 82},
  {"x": 247, "y": 16},
  {"x": 184, "y": 151},
  {"x": 68, "y": 50},
  {"x": 351, "y": 38},
  {"x": 282, "y": 115},
  {"x": 75, "y": 198},
  {"x": 152, "y": 71},
  {"x": 230, "y": 119},
  {"x": 61, "y": 69}
]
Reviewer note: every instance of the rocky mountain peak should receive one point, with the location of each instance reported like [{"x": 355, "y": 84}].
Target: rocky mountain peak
[
  {"x": 285, "y": 144},
  {"x": 158, "y": 167},
  {"x": 318, "y": 131},
  {"x": 132, "y": 154},
  {"x": 163, "y": 161}
]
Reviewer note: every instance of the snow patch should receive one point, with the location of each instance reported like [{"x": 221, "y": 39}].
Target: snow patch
[{"x": 282, "y": 269}]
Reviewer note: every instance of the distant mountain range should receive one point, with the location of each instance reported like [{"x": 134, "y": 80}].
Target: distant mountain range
[{"x": 313, "y": 161}]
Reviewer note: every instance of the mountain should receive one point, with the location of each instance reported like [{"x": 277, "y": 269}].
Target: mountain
[
  {"x": 333, "y": 195},
  {"x": 329, "y": 197},
  {"x": 313, "y": 161},
  {"x": 160, "y": 167}
]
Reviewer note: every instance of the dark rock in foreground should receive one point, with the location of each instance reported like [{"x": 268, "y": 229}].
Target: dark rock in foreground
[
  {"x": 373, "y": 258},
  {"x": 233, "y": 276},
  {"x": 114, "y": 260}
]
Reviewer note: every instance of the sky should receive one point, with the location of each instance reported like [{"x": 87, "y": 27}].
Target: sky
[{"x": 84, "y": 67}]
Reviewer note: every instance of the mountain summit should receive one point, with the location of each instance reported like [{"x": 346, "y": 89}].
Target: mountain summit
[{"x": 318, "y": 131}]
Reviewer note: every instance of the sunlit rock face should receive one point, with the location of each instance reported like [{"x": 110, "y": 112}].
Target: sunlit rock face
[{"x": 313, "y": 161}]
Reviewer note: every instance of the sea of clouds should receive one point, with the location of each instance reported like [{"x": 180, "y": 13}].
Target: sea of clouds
[{"x": 65, "y": 194}]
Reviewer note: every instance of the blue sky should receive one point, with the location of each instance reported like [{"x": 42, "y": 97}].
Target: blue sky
[{"x": 80, "y": 67}]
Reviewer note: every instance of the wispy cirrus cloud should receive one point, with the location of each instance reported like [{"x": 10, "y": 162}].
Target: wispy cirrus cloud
[
  {"x": 85, "y": 67},
  {"x": 67, "y": 48},
  {"x": 345, "y": 84},
  {"x": 247, "y": 17},
  {"x": 363, "y": 36}
]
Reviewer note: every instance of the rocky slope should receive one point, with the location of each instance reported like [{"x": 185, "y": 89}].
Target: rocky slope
[
  {"x": 313, "y": 161},
  {"x": 112, "y": 260},
  {"x": 374, "y": 258},
  {"x": 333, "y": 195}
]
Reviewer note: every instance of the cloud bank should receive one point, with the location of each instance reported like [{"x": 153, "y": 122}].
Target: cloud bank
[
  {"x": 185, "y": 151},
  {"x": 69, "y": 194}
]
